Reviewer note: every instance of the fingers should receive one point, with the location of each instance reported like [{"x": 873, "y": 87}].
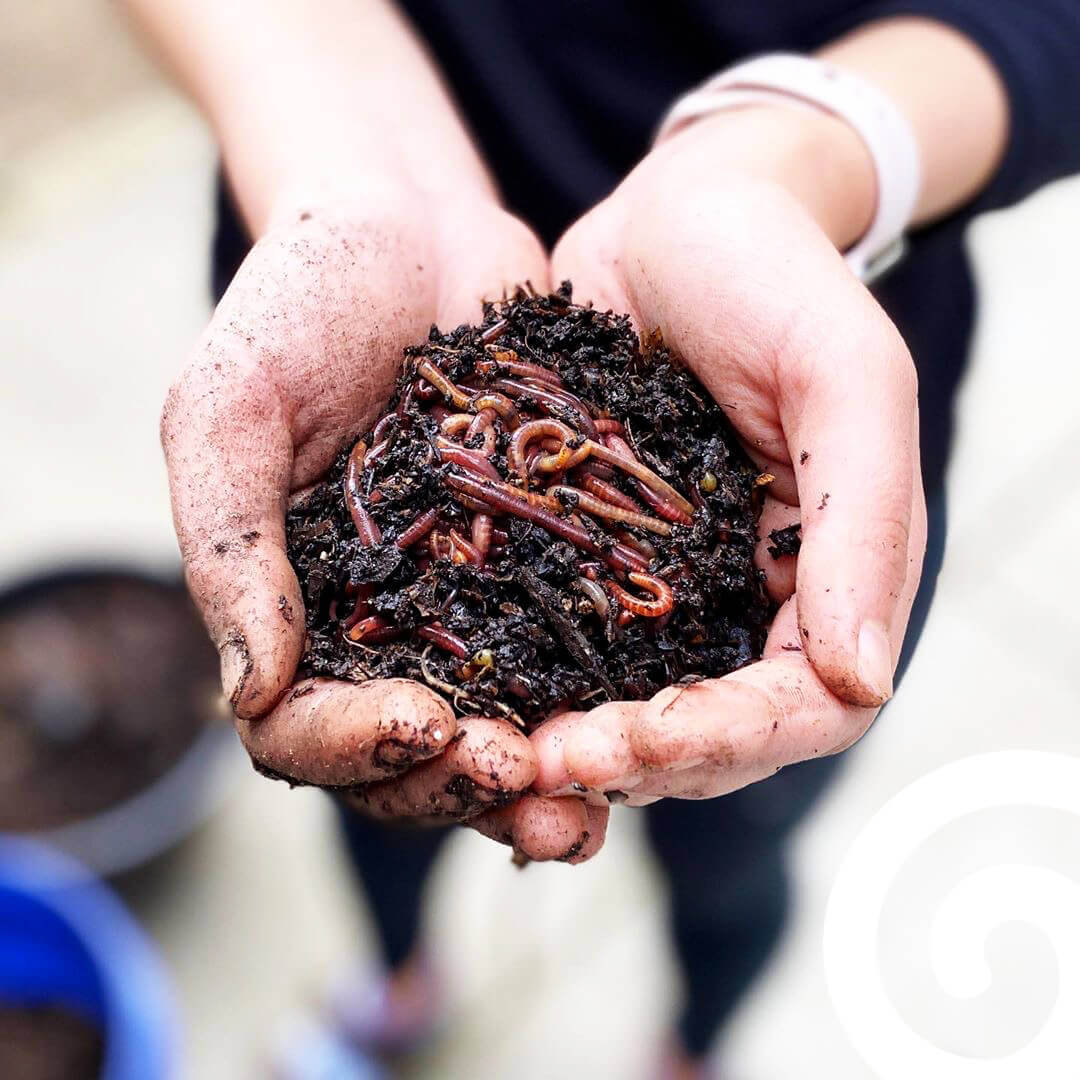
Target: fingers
[
  {"x": 336, "y": 734},
  {"x": 863, "y": 517},
  {"x": 712, "y": 737},
  {"x": 544, "y": 829},
  {"x": 487, "y": 765},
  {"x": 590, "y": 749}
]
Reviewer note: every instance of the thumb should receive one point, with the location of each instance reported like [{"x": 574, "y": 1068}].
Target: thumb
[
  {"x": 852, "y": 432},
  {"x": 229, "y": 454}
]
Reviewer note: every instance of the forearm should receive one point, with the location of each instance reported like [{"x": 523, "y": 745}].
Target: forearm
[{"x": 310, "y": 97}]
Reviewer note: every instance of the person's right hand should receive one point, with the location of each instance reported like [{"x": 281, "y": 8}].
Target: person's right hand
[{"x": 300, "y": 356}]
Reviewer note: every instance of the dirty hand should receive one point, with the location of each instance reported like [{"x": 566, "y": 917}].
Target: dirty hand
[
  {"x": 725, "y": 238},
  {"x": 301, "y": 354}
]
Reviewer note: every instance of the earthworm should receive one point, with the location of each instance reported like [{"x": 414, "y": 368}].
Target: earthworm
[
  {"x": 572, "y": 496},
  {"x": 568, "y": 397},
  {"x": 366, "y": 528},
  {"x": 533, "y": 498},
  {"x": 499, "y": 403},
  {"x": 358, "y": 612},
  {"x": 517, "y": 504},
  {"x": 595, "y": 592},
  {"x": 482, "y": 529},
  {"x": 445, "y": 639},
  {"x": 378, "y": 432},
  {"x": 550, "y": 399},
  {"x": 606, "y": 426},
  {"x": 560, "y": 460},
  {"x": 455, "y": 423},
  {"x": 475, "y": 505},
  {"x": 616, "y": 451},
  {"x": 594, "y": 468},
  {"x": 638, "y": 543},
  {"x": 483, "y": 424},
  {"x": 472, "y": 460},
  {"x": 609, "y": 493},
  {"x": 448, "y": 389},
  {"x": 425, "y": 392},
  {"x": 508, "y": 360},
  {"x": 376, "y": 452},
  {"x": 373, "y": 629},
  {"x": 612, "y": 451},
  {"x": 661, "y": 505},
  {"x": 436, "y": 540},
  {"x": 534, "y": 429},
  {"x": 494, "y": 332},
  {"x": 462, "y": 551},
  {"x": 663, "y": 598},
  {"x": 418, "y": 529}
]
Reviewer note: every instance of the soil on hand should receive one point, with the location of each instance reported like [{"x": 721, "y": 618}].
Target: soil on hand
[{"x": 550, "y": 514}]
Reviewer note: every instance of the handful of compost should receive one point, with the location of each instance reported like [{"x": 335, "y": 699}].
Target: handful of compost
[{"x": 551, "y": 514}]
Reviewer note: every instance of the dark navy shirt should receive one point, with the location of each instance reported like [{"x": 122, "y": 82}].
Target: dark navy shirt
[{"x": 564, "y": 95}]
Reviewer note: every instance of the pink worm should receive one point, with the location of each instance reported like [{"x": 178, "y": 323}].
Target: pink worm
[
  {"x": 620, "y": 557},
  {"x": 508, "y": 360},
  {"x": 366, "y": 528},
  {"x": 445, "y": 639}
]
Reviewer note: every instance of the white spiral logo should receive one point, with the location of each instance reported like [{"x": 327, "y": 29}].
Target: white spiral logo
[{"x": 980, "y": 903}]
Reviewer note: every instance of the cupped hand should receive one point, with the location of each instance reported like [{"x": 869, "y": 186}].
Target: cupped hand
[
  {"x": 300, "y": 356},
  {"x": 739, "y": 276}
]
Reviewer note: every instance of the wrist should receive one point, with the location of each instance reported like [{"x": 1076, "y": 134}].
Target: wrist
[{"x": 817, "y": 158}]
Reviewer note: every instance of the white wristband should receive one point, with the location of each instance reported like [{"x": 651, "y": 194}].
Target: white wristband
[{"x": 801, "y": 81}]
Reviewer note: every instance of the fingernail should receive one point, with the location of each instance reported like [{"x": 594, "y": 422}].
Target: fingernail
[
  {"x": 874, "y": 660},
  {"x": 235, "y": 666}
]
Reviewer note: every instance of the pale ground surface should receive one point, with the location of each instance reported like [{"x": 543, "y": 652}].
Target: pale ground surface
[{"x": 104, "y": 219}]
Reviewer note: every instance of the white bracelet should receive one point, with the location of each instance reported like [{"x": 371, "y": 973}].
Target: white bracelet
[{"x": 801, "y": 81}]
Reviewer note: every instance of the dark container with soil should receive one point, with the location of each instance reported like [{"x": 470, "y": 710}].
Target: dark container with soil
[{"x": 110, "y": 713}]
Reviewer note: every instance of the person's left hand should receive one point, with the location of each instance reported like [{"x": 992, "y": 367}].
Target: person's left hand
[{"x": 729, "y": 248}]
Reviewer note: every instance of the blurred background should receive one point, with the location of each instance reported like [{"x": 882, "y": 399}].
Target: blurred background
[{"x": 105, "y": 217}]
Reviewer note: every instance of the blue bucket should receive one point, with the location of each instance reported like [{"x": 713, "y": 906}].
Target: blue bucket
[{"x": 66, "y": 940}]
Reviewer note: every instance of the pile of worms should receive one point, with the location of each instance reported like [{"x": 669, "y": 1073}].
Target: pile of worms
[{"x": 551, "y": 513}]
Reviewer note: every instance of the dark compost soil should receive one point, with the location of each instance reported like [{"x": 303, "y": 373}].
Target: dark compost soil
[
  {"x": 471, "y": 539},
  {"x": 105, "y": 680},
  {"x": 48, "y": 1042}
]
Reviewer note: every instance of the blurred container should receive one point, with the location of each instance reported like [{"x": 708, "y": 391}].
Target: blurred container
[
  {"x": 111, "y": 732},
  {"x": 68, "y": 945}
]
